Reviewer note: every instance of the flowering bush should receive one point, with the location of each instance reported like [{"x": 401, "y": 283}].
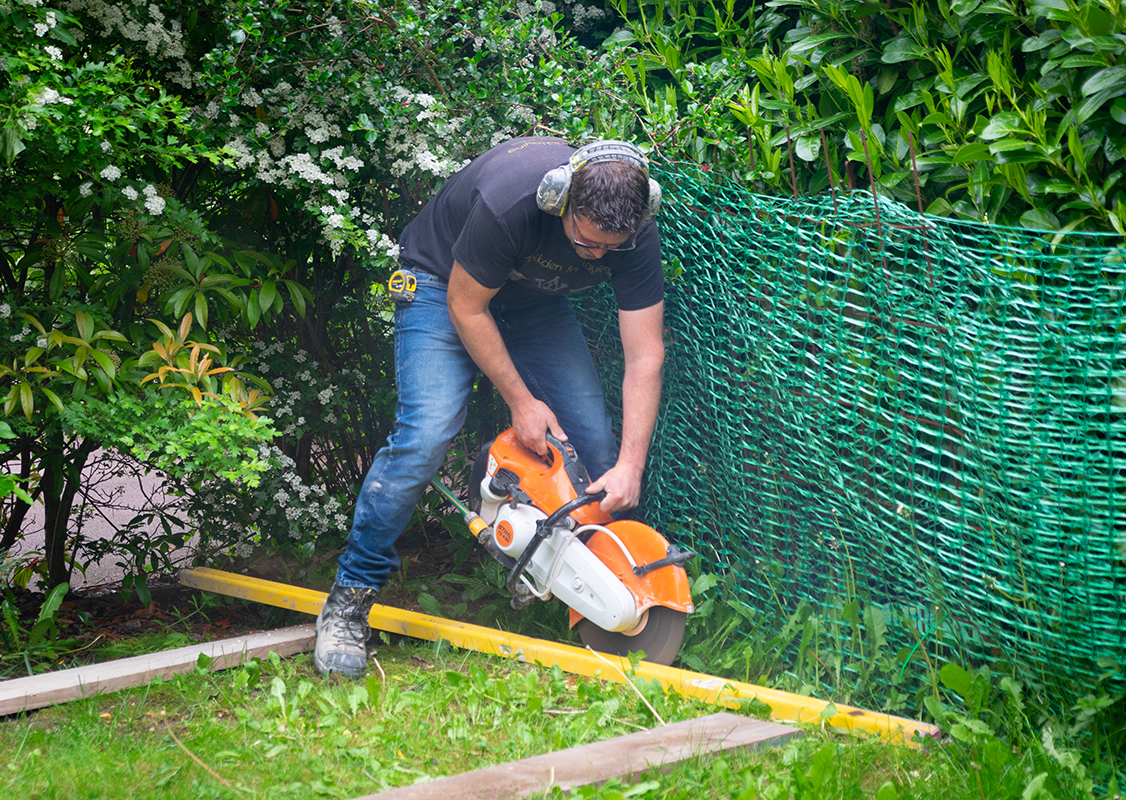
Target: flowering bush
[{"x": 198, "y": 201}]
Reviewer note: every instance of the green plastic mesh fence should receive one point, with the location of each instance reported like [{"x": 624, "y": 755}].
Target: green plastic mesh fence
[{"x": 920, "y": 421}]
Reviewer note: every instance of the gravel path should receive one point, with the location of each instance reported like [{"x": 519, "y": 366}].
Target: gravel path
[{"x": 112, "y": 500}]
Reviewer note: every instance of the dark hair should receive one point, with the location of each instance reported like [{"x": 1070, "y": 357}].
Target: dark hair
[{"x": 614, "y": 195}]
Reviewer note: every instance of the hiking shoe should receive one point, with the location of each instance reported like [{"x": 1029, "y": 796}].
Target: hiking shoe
[{"x": 342, "y": 632}]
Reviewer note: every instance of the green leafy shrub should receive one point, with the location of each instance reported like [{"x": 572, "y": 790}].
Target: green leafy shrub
[{"x": 1007, "y": 112}]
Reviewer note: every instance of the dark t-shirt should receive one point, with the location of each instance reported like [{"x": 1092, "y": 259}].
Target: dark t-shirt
[{"x": 485, "y": 217}]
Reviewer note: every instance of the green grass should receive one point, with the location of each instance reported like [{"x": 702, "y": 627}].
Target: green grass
[{"x": 275, "y": 729}]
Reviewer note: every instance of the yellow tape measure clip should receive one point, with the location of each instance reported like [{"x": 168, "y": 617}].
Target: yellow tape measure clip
[{"x": 402, "y": 285}]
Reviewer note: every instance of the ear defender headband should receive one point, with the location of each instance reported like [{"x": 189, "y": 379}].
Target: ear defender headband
[{"x": 554, "y": 189}]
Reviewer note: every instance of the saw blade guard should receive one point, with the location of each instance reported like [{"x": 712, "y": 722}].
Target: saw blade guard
[{"x": 645, "y": 563}]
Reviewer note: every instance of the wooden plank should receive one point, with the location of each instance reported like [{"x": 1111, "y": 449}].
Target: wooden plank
[
  {"x": 37, "y": 691},
  {"x": 625, "y": 757}
]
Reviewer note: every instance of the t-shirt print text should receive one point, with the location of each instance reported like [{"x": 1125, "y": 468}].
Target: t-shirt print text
[{"x": 554, "y": 285}]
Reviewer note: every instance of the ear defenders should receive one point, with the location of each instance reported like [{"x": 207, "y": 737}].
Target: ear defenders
[{"x": 551, "y": 196}]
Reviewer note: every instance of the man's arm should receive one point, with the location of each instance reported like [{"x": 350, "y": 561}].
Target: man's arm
[
  {"x": 643, "y": 344},
  {"x": 468, "y": 302}
]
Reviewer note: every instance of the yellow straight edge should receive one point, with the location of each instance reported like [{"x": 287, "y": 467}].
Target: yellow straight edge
[{"x": 784, "y": 706}]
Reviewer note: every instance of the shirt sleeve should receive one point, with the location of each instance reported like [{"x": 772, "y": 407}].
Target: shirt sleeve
[{"x": 639, "y": 281}]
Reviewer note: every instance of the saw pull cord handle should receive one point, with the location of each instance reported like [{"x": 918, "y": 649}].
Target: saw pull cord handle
[{"x": 544, "y": 529}]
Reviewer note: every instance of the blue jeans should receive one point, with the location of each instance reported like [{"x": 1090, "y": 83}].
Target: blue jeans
[{"x": 434, "y": 375}]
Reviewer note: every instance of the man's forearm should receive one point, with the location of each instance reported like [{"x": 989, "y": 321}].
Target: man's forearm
[
  {"x": 641, "y": 399},
  {"x": 644, "y": 350},
  {"x": 469, "y": 312}
]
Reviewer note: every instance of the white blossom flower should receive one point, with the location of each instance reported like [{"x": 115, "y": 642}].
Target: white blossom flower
[
  {"x": 155, "y": 205},
  {"x": 86, "y": 189},
  {"x": 49, "y": 97},
  {"x": 5, "y": 311},
  {"x": 55, "y": 53},
  {"x": 106, "y": 147},
  {"x": 111, "y": 173},
  {"x": 130, "y": 193}
]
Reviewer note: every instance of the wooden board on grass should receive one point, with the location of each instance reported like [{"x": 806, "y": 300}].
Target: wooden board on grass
[
  {"x": 625, "y": 757},
  {"x": 37, "y": 691}
]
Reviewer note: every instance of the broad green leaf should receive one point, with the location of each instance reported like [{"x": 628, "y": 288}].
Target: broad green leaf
[
  {"x": 886, "y": 78},
  {"x": 1052, "y": 9},
  {"x": 296, "y": 295},
  {"x": 813, "y": 42},
  {"x": 104, "y": 362},
  {"x": 965, "y": 85},
  {"x": 957, "y": 679},
  {"x": 1006, "y": 145},
  {"x": 1091, "y": 105},
  {"x": 1040, "y": 219},
  {"x": 1107, "y": 44},
  {"x": 1075, "y": 147},
  {"x": 621, "y": 37},
  {"x": 54, "y": 398},
  {"x": 34, "y": 322},
  {"x": 253, "y": 310},
  {"x": 902, "y": 48},
  {"x": 808, "y": 148},
  {"x": 1045, "y": 39},
  {"x": 27, "y": 400},
  {"x": 1118, "y": 110},
  {"x": 1108, "y": 79},
  {"x": 11, "y": 144},
  {"x": 268, "y": 292},
  {"x": 964, "y": 7},
  {"x": 1004, "y": 124},
  {"x": 1100, "y": 20},
  {"x": 201, "y": 309},
  {"x": 937, "y": 118},
  {"x": 908, "y": 100},
  {"x": 85, "y": 324},
  {"x": 218, "y": 259},
  {"x": 1082, "y": 60},
  {"x": 976, "y": 151}
]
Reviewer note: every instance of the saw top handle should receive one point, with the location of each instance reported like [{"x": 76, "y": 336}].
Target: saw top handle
[{"x": 572, "y": 465}]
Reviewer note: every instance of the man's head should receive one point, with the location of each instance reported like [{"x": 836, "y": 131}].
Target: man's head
[
  {"x": 614, "y": 195},
  {"x": 606, "y": 183}
]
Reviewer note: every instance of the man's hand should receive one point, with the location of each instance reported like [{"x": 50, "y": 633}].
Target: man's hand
[
  {"x": 531, "y": 421},
  {"x": 622, "y": 486}
]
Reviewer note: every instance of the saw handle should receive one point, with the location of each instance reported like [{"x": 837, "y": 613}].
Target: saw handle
[
  {"x": 543, "y": 530},
  {"x": 572, "y": 464}
]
